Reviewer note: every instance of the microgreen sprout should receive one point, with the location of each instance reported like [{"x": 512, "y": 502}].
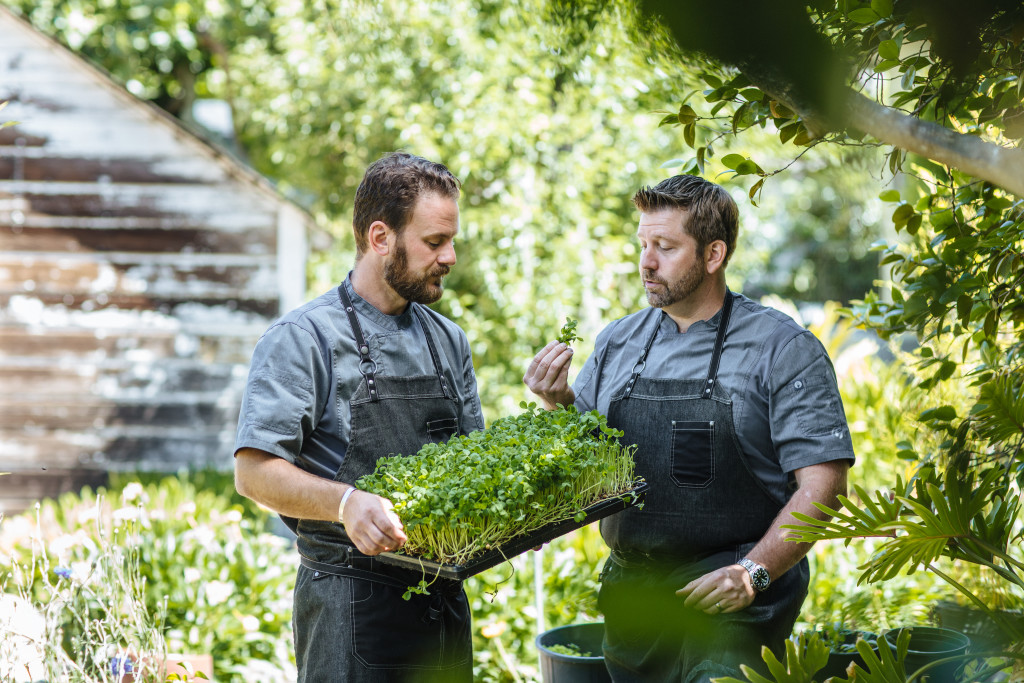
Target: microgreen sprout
[
  {"x": 568, "y": 334},
  {"x": 479, "y": 491}
]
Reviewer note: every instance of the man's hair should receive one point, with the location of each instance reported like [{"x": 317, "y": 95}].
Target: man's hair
[
  {"x": 389, "y": 191},
  {"x": 711, "y": 213}
]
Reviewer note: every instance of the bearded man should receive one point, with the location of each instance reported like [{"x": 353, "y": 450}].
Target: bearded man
[
  {"x": 359, "y": 373},
  {"x": 738, "y": 422}
]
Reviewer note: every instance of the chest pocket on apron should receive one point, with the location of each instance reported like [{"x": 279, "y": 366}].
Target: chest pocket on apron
[{"x": 693, "y": 453}]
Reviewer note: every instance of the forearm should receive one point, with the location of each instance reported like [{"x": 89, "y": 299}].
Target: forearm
[
  {"x": 817, "y": 484},
  {"x": 284, "y": 488}
]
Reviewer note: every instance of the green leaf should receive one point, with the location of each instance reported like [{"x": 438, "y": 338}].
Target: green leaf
[
  {"x": 907, "y": 81},
  {"x": 889, "y": 49},
  {"x": 672, "y": 163},
  {"x": 747, "y": 167},
  {"x": 686, "y": 114},
  {"x": 754, "y": 189},
  {"x": 882, "y": 8},
  {"x": 732, "y": 160},
  {"x": 902, "y": 213},
  {"x": 864, "y": 15},
  {"x": 890, "y": 196},
  {"x": 690, "y": 134},
  {"x": 942, "y": 414}
]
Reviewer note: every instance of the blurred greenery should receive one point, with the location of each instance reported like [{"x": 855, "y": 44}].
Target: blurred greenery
[{"x": 546, "y": 110}]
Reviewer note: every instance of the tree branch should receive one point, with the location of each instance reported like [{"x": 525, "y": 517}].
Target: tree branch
[{"x": 999, "y": 165}]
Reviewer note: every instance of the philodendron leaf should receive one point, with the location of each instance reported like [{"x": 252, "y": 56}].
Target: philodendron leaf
[{"x": 805, "y": 656}]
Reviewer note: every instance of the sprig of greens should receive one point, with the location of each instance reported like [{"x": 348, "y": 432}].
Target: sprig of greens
[
  {"x": 568, "y": 334},
  {"x": 479, "y": 491}
]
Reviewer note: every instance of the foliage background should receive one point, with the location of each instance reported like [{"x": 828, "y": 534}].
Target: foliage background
[{"x": 547, "y": 114}]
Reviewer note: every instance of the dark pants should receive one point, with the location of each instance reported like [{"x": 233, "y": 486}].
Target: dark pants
[
  {"x": 651, "y": 636},
  {"x": 376, "y": 636}
]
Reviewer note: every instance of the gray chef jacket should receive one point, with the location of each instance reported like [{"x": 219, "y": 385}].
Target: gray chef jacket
[
  {"x": 305, "y": 369},
  {"x": 786, "y": 404}
]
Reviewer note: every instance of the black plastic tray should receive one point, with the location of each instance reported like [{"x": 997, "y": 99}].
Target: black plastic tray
[{"x": 520, "y": 544}]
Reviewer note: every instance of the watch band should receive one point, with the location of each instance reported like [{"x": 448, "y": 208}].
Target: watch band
[{"x": 759, "y": 576}]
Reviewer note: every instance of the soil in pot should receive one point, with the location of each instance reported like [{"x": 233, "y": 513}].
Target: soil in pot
[{"x": 559, "y": 664}]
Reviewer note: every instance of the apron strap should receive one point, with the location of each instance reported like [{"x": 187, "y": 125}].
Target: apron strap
[
  {"x": 433, "y": 352},
  {"x": 353, "y": 572},
  {"x": 367, "y": 366},
  {"x": 640, "y": 364},
  {"x": 716, "y": 355}
]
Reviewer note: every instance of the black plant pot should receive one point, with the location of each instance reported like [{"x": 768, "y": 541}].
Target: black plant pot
[
  {"x": 930, "y": 644},
  {"x": 842, "y": 654},
  {"x": 980, "y": 626},
  {"x": 556, "y": 667}
]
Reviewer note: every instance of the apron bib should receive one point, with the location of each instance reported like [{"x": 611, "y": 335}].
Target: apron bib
[
  {"x": 351, "y": 623},
  {"x": 704, "y": 509}
]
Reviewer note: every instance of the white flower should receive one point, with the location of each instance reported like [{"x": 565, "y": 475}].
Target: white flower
[
  {"x": 233, "y": 516},
  {"x": 192, "y": 575},
  {"x": 218, "y": 592},
  {"x": 132, "y": 491},
  {"x": 126, "y": 514}
]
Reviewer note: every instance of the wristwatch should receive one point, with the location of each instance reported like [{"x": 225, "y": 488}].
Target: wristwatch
[{"x": 759, "y": 576}]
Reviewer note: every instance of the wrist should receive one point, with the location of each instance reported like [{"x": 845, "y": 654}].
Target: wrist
[
  {"x": 760, "y": 579},
  {"x": 344, "y": 499}
]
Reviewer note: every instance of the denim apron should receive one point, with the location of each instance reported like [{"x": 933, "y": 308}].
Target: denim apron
[
  {"x": 351, "y": 623},
  {"x": 704, "y": 510}
]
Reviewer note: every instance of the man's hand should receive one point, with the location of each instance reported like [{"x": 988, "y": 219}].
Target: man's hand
[
  {"x": 548, "y": 375},
  {"x": 370, "y": 521},
  {"x": 724, "y": 590}
]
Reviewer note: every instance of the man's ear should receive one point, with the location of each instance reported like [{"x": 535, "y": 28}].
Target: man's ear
[
  {"x": 379, "y": 236},
  {"x": 714, "y": 256}
]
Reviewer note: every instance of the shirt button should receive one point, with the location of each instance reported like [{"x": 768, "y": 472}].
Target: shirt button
[{"x": 798, "y": 384}]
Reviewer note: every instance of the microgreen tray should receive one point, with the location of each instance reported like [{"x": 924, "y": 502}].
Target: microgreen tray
[{"x": 520, "y": 544}]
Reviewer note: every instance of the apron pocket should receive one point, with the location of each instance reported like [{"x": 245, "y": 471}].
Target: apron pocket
[
  {"x": 425, "y": 632},
  {"x": 439, "y": 431},
  {"x": 693, "y": 453}
]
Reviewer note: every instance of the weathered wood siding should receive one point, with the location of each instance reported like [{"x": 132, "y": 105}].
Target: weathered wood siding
[{"x": 138, "y": 266}]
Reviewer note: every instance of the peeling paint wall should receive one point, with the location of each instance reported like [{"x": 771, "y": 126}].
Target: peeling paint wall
[{"x": 138, "y": 267}]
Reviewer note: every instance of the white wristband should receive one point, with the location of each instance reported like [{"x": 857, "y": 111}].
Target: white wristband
[{"x": 341, "y": 506}]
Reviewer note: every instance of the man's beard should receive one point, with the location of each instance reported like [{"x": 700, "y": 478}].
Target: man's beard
[
  {"x": 677, "y": 290},
  {"x": 409, "y": 286}
]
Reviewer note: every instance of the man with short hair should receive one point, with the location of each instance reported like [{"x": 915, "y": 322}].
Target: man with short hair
[
  {"x": 363, "y": 372},
  {"x": 738, "y": 422}
]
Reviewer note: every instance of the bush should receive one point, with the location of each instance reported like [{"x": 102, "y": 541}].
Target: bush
[{"x": 209, "y": 573}]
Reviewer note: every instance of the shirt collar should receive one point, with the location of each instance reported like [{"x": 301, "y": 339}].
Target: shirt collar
[{"x": 365, "y": 309}]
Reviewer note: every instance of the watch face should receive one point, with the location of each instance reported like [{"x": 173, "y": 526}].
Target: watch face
[{"x": 759, "y": 577}]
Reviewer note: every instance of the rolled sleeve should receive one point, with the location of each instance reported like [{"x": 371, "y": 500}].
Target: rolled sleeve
[
  {"x": 806, "y": 413},
  {"x": 287, "y": 381}
]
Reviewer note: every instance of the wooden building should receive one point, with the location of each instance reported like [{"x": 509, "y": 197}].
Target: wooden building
[{"x": 139, "y": 264}]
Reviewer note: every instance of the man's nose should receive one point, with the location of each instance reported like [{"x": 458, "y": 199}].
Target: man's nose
[
  {"x": 447, "y": 255},
  {"x": 647, "y": 262}
]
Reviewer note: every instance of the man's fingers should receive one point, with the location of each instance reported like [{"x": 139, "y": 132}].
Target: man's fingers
[{"x": 539, "y": 359}]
